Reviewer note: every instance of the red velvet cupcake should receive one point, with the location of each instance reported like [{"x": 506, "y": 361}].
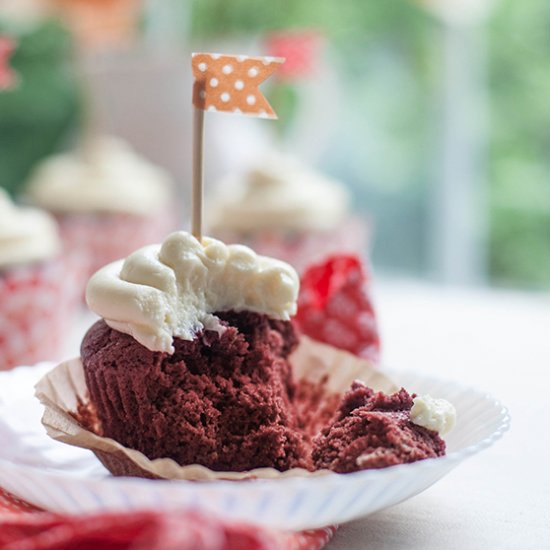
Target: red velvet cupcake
[
  {"x": 191, "y": 359},
  {"x": 194, "y": 363}
]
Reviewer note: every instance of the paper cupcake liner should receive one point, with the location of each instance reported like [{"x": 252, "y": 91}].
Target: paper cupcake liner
[
  {"x": 37, "y": 307},
  {"x": 63, "y": 392},
  {"x": 302, "y": 248},
  {"x": 109, "y": 237}
]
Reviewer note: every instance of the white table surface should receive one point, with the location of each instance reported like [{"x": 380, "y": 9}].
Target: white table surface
[
  {"x": 494, "y": 340},
  {"x": 499, "y": 342}
]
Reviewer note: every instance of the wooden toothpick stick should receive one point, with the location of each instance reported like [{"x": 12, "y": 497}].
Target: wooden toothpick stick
[{"x": 198, "y": 161}]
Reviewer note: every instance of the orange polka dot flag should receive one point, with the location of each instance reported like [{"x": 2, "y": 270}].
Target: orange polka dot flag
[{"x": 230, "y": 83}]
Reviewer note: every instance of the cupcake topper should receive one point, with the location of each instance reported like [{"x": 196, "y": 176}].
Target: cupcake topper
[
  {"x": 8, "y": 77},
  {"x": 227, "y": 83}
]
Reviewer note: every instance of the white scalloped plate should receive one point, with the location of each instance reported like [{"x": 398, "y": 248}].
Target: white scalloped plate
[{"x": 65, "y": 479}]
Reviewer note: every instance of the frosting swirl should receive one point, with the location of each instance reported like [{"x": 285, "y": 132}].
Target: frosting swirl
[
  {"x": 26, "y": 234},
  {"x": 279, "y": 193},
  {"x": 172, "y": 290},
  {"x": 112, "y": 178}
]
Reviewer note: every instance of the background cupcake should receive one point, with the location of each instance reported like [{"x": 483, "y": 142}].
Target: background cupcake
[
  {"x": 108, "y": 200},
  {"x": 284, "y": 210},
  {"x": 38, "y": 288}
]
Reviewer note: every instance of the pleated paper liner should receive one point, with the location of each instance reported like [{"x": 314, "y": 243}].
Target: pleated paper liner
[{"x": 64, "y": 394}]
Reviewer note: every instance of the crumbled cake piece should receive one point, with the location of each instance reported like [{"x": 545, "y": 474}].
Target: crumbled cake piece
[{"x": 373, "y": 430}]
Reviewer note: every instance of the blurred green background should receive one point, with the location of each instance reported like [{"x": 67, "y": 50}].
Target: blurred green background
[
  {"x": 39, "y": 116},
  {"x": 388, "y": 62}
]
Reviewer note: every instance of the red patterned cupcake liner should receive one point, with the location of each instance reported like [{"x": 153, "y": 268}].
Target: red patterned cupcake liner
[{"x": 37, "y": 307}]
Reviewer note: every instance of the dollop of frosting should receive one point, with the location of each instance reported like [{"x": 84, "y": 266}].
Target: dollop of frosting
[
  {"x": 172, "y": 290},
  {"x": 437, "y": 415},
  {"x": 279, "y": 193},
  {"x": 26, "y": 234},
  {"x": 111, "y": 177}
]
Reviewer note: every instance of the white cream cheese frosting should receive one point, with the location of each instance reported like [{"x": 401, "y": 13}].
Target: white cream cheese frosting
[
  {"x": 437, "y": 415},
  {"x": 279, "y": 193},
  {"x": 172, "y": 290},
  {"x": 110, "y": 178},
  {"x": 27, "y": 235}
]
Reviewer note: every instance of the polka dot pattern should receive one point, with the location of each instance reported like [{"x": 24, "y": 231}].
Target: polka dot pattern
[{"x": 230, "y": 83}]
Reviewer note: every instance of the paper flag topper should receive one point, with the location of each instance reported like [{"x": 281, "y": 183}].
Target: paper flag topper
[
  {"x": 229, "y": 83},
  {"x": 8, "y": 77}
]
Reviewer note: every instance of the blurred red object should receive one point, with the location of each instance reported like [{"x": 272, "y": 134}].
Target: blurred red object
[
  {"x": 100, "y": 24},
  {"x": 23, "y": 526},
  {"x": 334, "y": 306},
  {"x": 300, "y": 48},
  {"x": 8, "y": 77},
  {"x": 151, "y": 530}
]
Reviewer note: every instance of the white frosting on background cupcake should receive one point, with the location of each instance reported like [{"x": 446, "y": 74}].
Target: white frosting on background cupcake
[
  {"x": 168, "y": 290},
  {"x": 279, "y": 193},
  {"x": 27, "y": 235},
  {"x": 110, "y": 178}
]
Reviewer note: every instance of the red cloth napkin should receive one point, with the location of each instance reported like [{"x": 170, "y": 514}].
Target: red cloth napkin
[{"x": 24, "y": 527}]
